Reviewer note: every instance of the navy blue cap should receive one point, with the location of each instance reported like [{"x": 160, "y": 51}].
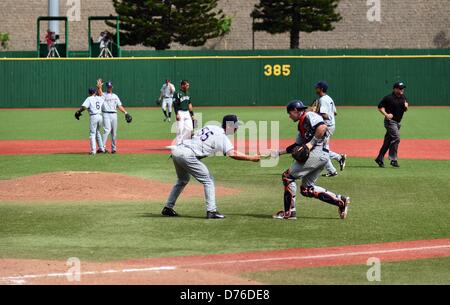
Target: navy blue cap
[
  {"x": 296, "y": 105},
  {"x": 92, "y": 91},
  {"x": 109, "y": 84},
  {"x": 399, "y": 85},
  {"x": 322, "y": 85},
  {"x": 229, "y": 118}
]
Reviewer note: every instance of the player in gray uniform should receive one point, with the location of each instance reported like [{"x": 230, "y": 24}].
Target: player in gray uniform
[
  {"x": 327, "y": 109},
  {"x": 109, "y": 109},
  {"x": 313, "y": 134},
  {"x": 94, "y": 105},
  {"x": 208, "y": 141}
]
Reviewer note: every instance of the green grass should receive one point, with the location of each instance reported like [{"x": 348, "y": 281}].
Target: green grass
[
  {"x": 357, "y": 123},
  {"x": 420, "y": 272},
  {"x": 388, "y": 205}
]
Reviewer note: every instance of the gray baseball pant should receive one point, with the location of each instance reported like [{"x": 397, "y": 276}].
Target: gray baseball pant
[
  {"x": 95, "y": 124},
  {"x": 333, "y": 156},
  {"x": 186, "y": 165},
  {"x": 110, "y": 127},
  {"x": 391, "y": 140}
]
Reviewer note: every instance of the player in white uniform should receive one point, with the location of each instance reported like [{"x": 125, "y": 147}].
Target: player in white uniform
[
  {"x": 206, "y": 142},
  {"x": 185, "y": 114},
  {"x": 327, "y": 109},
  {"x": 166, "y": 96},
  {"x": 109, "y": 109},
  {"x": 94, "y": 105}
]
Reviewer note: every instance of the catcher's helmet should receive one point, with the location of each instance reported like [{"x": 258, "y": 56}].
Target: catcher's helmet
[{"x": 296, "y": 105}]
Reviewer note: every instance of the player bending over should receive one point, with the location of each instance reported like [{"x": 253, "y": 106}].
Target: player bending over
[
  {"x": 311, "y": 154},
  {"x": 206, "y": 142},
  {"x": 94, "y": 105},
  {"x": 109, "y": 109}
]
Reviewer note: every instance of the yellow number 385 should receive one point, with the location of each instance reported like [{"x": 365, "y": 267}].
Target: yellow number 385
[{"x": 277, "y": 70}]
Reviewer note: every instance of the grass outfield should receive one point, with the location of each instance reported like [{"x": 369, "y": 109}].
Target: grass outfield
[
  {"x": 410, "y": 203},
  {"x": 356, "y": 123},
  {"x": 420, "y": 272}
]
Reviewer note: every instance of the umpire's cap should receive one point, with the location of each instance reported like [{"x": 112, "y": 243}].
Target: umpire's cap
[
  {"x": 92, "y": 91},
  {"x": 296, "y": 105},
  {"x": 322, "y": 85},
  {"x": 230, "y": 119},
  {"x": 399, "y": 85}
]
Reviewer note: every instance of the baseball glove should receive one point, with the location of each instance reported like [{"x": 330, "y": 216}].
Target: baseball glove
[
  {"x": 128, "y": 118},
  {"x": 77, "y": 115},
  {"x": 301, "y": 153},
  {"x": 158, "y": 102}
]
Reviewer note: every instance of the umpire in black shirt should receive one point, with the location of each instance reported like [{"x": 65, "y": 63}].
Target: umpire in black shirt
[{"x": 392, "y": 107}]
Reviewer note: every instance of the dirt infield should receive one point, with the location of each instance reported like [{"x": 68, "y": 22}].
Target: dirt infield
[
  {"x": 84, "y": 186},
  {"x": 216, "y": 269},
  {"x": 409, "y": 149}
]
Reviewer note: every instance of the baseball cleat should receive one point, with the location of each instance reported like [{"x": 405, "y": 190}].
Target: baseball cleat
[
  {"x": 169, "y": 120},
  {"x": 343, "y": 210},
  {"x": 394, "y": 163},
  {"x": 281, "y": 215},
  {"x": 329, "y": 175},
  {"x": 214, "y": 215},
  {"x": 100, "y": 151},
  {"x": 165, "y": 119},
  {"x": 343, "y": 161},
  {"x": 379, "y": 162},
  {"x": 169, "y": 212},
  {"x": 92, "y": 153},
  {"x": 113, "y": 151}
]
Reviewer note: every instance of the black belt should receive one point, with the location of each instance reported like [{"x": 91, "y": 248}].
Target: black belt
[
  {"x": 109, "y": 112},
  {"x": 326, "y": 150}
]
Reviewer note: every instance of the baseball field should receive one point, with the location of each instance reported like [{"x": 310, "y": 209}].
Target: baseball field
[{"x": 57, "y": 202}]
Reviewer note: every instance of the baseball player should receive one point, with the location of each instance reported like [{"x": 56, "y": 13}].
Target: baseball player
[
  {"x": 206, "y": 142},
  {"x": 184, "y": 112},
  {"x": 311, "y": 153},
  {"x": 94, "y": 105},
  {"x": 166, "y": 96},
  {"x": 327, "y": 109},
  {"x": 109, "y": 109}
]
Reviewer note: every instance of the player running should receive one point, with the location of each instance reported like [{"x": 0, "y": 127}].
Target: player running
[
  {"x": 94, "y": 105},
  {"x": 311, "y": 153},
  {"x": 327, "y": 109},
  {"x": 166, "y": 96},
  {"x": 109, "y": 109},
  {"x": 206, "y": 142},
  {"x": 184, "y": 112}
]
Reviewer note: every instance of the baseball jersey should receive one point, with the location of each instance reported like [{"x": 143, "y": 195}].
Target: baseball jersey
[
  {"x": 111, "y": 103},
  {"x": 167, "y": 90},
  {"x": 94, "y": 104},
  {"x": 307, "y": 129},
  {"x": 328, "y": 107},
  {"x": 208, "y": 141},
  {"x": 181, "y": 101}
]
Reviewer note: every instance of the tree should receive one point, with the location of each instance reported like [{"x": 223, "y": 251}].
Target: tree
[
  {"x": 295, "y": 16},
  {"x": 158, "y": 23},
  {"x": 4, "y": 40}
]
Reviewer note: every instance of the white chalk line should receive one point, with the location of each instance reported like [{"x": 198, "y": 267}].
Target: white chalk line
[{"x": 22, "y": 279}]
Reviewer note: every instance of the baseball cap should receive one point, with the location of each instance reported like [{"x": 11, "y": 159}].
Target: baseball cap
[
  {"x": 228, "y": 119},
  {"x": 92, "y": 91},
  {"x": 399, "y": 85},
  {"x": 322, "y": 85},
  {"x": 296, "y": 104},
  {"x": 109, "y": 84}
]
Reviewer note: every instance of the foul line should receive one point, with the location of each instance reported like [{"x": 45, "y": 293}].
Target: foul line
[{"x": 22, "y": 279}]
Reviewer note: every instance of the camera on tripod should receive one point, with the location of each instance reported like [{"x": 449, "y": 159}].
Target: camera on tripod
[
  {"x": 105, "y": 40},
  {"x": 52, "y": 38}
]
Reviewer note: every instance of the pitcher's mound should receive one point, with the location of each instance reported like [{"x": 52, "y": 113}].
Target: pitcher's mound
[{"x": 93, "y": 186}]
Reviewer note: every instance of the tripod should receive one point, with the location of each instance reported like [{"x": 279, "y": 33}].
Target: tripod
[
  {"x": 105, "y": 52},
  {"x": 53, "y": 52}
]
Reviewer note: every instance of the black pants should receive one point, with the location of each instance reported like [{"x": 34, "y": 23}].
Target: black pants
[{"x": 391, "y": 140}]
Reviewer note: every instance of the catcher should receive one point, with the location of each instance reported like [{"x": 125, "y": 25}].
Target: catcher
[{"x": 311, "y": 154}]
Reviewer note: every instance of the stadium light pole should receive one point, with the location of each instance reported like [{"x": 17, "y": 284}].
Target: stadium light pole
[
  {"x": 53, "y": 11},
  {"x": 253, "y": 33}
]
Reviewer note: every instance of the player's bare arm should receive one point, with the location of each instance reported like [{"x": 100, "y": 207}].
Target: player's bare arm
[
  {"x": 99, "y": 87},
  {"x": 319, "y": 135},
  {"x": 385, "y": 114},
  {"x": 236, "y": 155}
]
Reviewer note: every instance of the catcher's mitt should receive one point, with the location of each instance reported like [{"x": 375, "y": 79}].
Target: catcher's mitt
[
  {"x": 128, "y": 118},
  {"x": 77, "y": 115},
  {"x": 315, "y": 106},
  {"x": 301, "y": 153}
]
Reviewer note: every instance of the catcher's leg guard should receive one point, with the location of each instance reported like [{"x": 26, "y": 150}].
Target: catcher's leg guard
[
  {"x": 290, "y": 190},
  {"x": 321, "y": 194}
]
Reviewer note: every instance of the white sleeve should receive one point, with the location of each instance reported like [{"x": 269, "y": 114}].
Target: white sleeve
[
  {"x": 227, "y": 145},
  {"x": 86, "y": 103},
  {"x": 324, "y": 106},
  {"x": 315, "y": 119}
]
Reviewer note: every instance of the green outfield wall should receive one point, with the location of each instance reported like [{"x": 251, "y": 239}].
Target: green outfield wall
[{"x": 228, "y": 78}]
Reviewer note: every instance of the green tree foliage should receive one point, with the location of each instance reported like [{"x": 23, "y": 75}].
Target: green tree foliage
[
  {"x": 295, "y": 16},
  {"x": 158, "y": 23}
]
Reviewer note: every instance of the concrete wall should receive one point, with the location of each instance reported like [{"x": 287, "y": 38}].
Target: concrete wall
[{"x": 403, "y": 24}]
